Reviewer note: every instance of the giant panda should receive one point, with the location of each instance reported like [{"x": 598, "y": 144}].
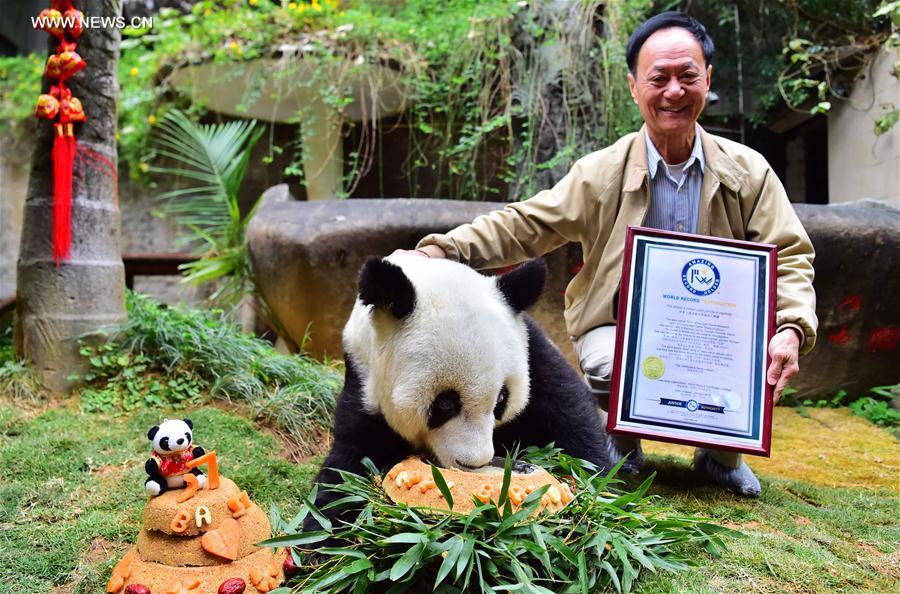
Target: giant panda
[{"x": 441, "y": 360}]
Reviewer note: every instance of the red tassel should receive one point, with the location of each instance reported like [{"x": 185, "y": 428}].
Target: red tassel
[{"x": 63, "y": 157}]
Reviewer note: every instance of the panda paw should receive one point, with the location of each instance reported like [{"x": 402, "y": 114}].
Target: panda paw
[{"x": 153, "y": 488}]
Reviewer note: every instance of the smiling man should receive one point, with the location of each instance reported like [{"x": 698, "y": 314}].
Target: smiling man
[{"x": 670, "y": 175}]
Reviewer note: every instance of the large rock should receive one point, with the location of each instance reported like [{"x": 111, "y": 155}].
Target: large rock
[
  {"x": 306, "y": 256},
  {"x": 858, "y": 291}
]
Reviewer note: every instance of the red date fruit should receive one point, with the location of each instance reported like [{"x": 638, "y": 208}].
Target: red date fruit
[
  {"x": 232, "y": 586},
  {"x": 290, "y": 568},
  {"x": 137, "y": 589}
]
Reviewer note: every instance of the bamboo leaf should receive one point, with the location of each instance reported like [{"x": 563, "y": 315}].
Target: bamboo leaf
[
  {"x": 539, "y": 541},
  {"x": 407, "y": 561},
  {"x": 406, "y": 538},
  {"x": 449, "y": 560},
  {"x": 324, "y": 522},
  {"x": 613, "y": 576},
  {"x": 582, "y": 573},
  {"x": 465, "y": 557},
  {"x": 442, "y": 485},
  {"x": 292, "y": 540},
  {"x": 507, "y": 477}
]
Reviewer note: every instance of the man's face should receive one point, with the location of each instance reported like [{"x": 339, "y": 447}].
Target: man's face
[{"x": 670, "y": 84}]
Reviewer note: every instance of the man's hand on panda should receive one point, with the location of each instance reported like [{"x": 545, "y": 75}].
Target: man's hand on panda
[
  {"x": 784, "y": 349},
  {"x": 428, "y": 251}
]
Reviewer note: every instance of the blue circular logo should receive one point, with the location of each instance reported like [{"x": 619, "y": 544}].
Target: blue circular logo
[
  {"x": 700, "y": 277},
  {"x": 692, "y": 405}
]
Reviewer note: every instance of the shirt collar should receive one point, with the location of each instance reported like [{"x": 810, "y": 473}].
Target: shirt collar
[{"x": 653, "y": 156}]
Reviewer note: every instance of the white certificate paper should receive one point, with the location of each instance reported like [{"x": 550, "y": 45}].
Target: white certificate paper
[{"x": 692, "y": 342}]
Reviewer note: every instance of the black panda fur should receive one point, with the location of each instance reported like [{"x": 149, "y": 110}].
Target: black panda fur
[{"x": 560, "y": 407}]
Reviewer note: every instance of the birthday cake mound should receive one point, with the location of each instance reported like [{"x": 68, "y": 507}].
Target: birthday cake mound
[
  {"x": 411, "y": 482},
  {"x": 200, "y": 529},
  {"x": 194, "y": 546}
]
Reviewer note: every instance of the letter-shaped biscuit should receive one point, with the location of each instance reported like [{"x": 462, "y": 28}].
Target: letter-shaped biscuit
[
  {"x": 202, "y": 514},
  {"x": 180, "y": 522}
]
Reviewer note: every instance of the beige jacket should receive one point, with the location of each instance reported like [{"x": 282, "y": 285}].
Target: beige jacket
[{"x": 604, "y": 192}]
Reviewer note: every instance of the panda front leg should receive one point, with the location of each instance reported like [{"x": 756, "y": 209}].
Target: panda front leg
[
  {"x": 560, "y": 408},
  {"x": 358, "y": 433},
  {"x": 156, "y": 483}
]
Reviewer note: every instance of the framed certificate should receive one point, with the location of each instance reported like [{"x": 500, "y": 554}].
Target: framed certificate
[{"x": 695, "y": 317}]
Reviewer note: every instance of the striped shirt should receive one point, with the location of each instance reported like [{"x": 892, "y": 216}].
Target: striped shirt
[{"x": 675, "y": 197}]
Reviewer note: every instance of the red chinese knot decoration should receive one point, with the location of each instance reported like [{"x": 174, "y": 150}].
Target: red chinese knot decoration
[{"x": 64, "y": 22}]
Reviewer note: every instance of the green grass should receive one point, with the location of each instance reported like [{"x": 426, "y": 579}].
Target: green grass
[
  {"x": 72, "y": 478},
  {"x": 799, "y": 537},
  {"x": 71, "y": 497}
]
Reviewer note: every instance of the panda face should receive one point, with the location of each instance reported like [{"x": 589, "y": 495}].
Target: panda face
[
  {"x": 453, "y": 367},
  {"x": 171, "y": 436}
]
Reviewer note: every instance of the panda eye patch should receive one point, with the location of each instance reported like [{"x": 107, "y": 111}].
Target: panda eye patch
[
  {"x": 502, "y": 399},
  {"x": 445, "y": 406}
]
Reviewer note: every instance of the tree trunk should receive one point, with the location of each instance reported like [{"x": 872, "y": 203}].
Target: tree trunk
[{"x": 57, "y": 305}]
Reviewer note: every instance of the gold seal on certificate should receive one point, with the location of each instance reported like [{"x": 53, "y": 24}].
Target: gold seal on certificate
[
  {"x": 653, "y": 367},
  {"x": 695, "y": 316}
]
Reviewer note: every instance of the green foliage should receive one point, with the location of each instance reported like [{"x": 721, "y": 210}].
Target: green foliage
[
  {"x": 829, "y": 49},
  {"x": 602, "y": 539},
  {"x": 886, "y": 121},
  {"x": 20, "y": 87},
  {"x": 170, "y": 357},
  {"x": 878, "y": 411},
  {"x": 214, "y": 158},
  {"x": 878, "y": 407},
  {"x": 473, "y": 71},
  {"x": 874, "y": 406},
  {"x": 17, "y": 379},
  {"x": 124, "y": 382},
  {"x": 6, "y": 340}
]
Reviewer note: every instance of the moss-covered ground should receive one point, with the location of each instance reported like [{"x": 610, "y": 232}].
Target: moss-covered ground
[{"x": 71, "y": 495}]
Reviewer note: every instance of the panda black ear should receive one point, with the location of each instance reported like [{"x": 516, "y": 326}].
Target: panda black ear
[
  {"x": 522, "y": 286},
  {"x": 189, "y": 423},
  {"x": 152, "y": 433},
  {"x": 384, "y": 285}
]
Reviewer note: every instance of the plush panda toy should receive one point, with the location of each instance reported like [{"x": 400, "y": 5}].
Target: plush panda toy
[
  {"x": 173, "y": 448},
  {"x": 441, "y": 360}
]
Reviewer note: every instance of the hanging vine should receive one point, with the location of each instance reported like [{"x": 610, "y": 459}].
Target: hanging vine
[{"x": 500, "y": 93}]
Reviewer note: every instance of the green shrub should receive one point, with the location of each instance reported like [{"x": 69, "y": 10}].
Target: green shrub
[
  {"x": 17, "y": 379},
  {"x": 875, "y": 405},
  {"x": 171, "y": 357}
]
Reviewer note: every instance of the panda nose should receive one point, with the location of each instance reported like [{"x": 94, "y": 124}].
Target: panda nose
[{"x": 180, "y": 440}]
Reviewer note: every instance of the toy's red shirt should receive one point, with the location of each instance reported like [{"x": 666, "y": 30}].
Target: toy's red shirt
[{"x": 174, "y": 464}]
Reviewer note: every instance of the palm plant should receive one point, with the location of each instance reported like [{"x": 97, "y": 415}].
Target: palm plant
[{"x": 213, "y": 158}]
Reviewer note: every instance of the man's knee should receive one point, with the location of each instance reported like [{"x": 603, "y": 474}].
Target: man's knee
[{"x": 595, "y": 356}]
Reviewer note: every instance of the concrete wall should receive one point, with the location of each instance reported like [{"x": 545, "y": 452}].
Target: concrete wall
[
  {"x": 860, "y": 164},
  {"x": 15, "y": 163}
]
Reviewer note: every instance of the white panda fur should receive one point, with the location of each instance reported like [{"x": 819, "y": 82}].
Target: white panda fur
[
  {"x": 466, "y": 339},
  {"x": 422, "y": 326}
]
